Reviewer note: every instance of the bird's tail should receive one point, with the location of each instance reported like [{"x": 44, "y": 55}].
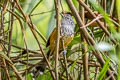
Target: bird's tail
[{"x": 41, "y": 66}]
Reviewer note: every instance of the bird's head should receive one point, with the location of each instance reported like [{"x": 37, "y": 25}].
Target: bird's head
[{"x": 67, "y": 19}]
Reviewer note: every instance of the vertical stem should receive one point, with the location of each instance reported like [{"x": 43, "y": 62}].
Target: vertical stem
[
  {"x": 84, "y": 47},
  {"x": 118, "y": 56},
  {"x": 16, "y": 71},
  {"x": 11, "y": 29},
  {"x": 57, "y": 7},
  {"x": 98, "y": 21},
  {"x": 5, "y": 5},
  {"x": 97, "y": 69},
  {"x": 0, "y": 74},
  {"x": 85, "y": 59},
  {"x": 86, "y": 34},
  {"x": 112, "y": 7},
  {"x": 65, "y": 60},
  {"x": 80, "y": 73},
  {"x": 6, "y": 68},
  {"x": 104, "y": 5},
  {"x": 31, "y": 25}
]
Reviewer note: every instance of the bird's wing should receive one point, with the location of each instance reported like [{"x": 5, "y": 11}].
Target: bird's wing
[{"x": 51, "y": 38}]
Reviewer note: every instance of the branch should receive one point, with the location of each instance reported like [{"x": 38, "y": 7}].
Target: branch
[
  {"x": 87, "y": 36},
  {"x": 57, "y": 8}
]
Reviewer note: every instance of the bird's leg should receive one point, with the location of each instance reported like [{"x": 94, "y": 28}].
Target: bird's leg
[
  {"x": 65, "y": 58},
  {"x": 64, "y": 51}
]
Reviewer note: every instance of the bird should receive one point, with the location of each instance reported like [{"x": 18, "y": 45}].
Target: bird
[{"x": 67, "y": 27}]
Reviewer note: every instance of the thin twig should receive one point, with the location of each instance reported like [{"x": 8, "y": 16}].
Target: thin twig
[
  {"x": 34, "y": 33},
  {"x": 65, "y": 62},
  {"x": 13, "y": 45},
  {"x": 16, "y": 71},
  {"x": 6, "y": 69},
  {"x": 11, "y": 29},
  {"x": 91, "y": 22},
  {"x": 42, "y": 12},
  {"x": 84, "y": 48},
  {"x": 86, "y": 34},
  {"x": 112, "y": 7},
  {"x": 57, "y": 8},
  {"x": 98, "y": 21}
]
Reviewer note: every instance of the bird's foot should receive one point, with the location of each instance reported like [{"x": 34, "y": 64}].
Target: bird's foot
[
  {"x": 41, "y": 73},
  {"x": 64, "y": 52}
]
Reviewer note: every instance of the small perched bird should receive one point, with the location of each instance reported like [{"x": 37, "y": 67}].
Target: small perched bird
[{"x": 66, "y": 34}]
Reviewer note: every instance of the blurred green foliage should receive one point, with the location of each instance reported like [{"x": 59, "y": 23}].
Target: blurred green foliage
[{"x": 43, "y": 16}]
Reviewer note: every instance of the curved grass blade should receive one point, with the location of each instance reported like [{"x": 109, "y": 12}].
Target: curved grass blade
[
  {"x": 35, "y": 6},
  {"x": 104, "y": 70}
]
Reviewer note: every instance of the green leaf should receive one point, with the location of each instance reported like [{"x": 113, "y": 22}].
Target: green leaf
[
  {"x": 44, "y": 77},
  {"x": 117, "y": 36},
  {"x": 36, "y": 6},
  {"x": 99, "y": 34},
  {"x": 29, "y": 77},
  {"x": 75, "y": 3},
  {"x": 76, "y": 40},
  {"x": 118, "y": 60},
  {"x": 51, "y": 24},
  {"x": 72, "y": 66},
  {"x": 104, "y": 70},
  {"x": 98, "y": 8},
  {"x": 118, "y": 8},
  {"x": 28, "y": 8}
]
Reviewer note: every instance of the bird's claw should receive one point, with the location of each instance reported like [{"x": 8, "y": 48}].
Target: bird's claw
[
  {"x": 41, "y": 73},
  {"x": 64, "y": 52}
]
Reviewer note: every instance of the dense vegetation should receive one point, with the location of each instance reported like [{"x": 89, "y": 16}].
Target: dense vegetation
[{"x": 93, "y": 54}]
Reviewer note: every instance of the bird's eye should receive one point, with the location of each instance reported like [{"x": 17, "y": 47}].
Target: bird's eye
[{"x": 67, "y": 18}]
